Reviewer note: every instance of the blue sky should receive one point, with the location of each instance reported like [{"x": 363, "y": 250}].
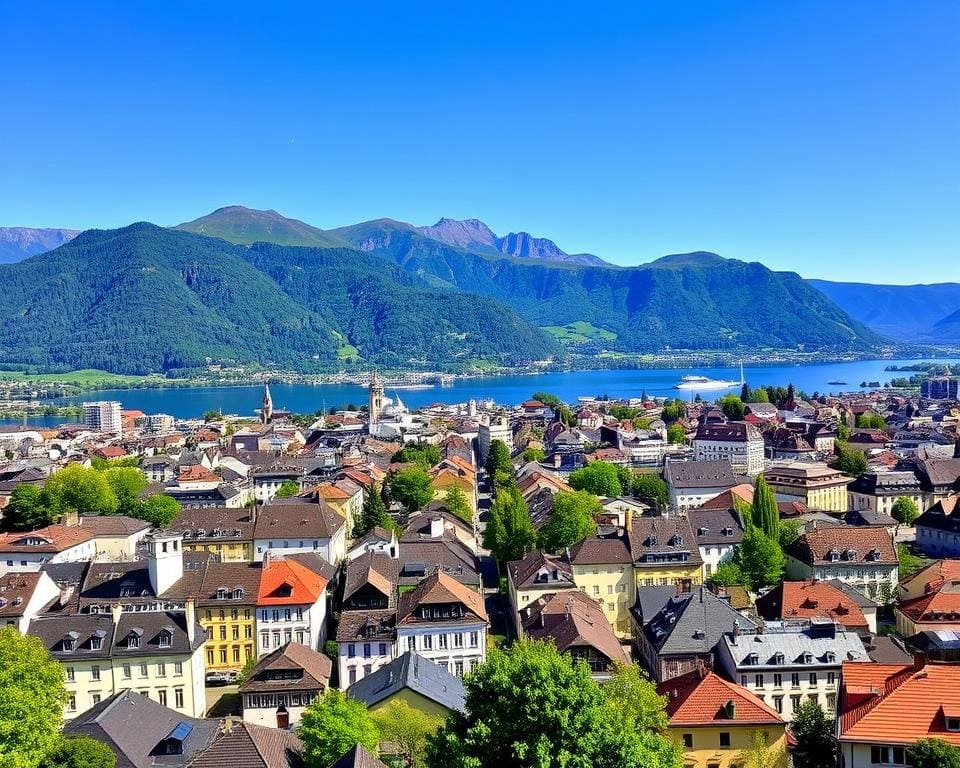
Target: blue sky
[{"x": 822, "y": 137}]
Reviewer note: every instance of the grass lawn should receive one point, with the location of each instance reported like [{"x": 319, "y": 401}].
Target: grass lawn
[{"x": 87, "y": 377}]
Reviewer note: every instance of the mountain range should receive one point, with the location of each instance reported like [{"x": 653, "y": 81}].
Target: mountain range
[
  {"x": 255, "y": 286},
  {"x": 18, "y": 243}
]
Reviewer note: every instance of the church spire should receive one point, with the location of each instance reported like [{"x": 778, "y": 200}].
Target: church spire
[{"x": 266, "y": 408}]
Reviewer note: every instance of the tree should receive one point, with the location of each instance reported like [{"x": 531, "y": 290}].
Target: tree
[
  {"x": 79, "y": 489},
  {"x": 534, "y": 454},
  {"x": 933, "y": 753},
  {"x": 758, "y": 395},
  {"x": 909, "y": 563},
  {"x": 572, "y": 519},
  {"x": 27, "y": 509},
  {"x": 732, "y": 407},
  {"x": 760, "y": 754},
  {"x": 80, "y": 752},
  {"x": 498, "y": 459},
  {"x": 673, "y": 412},
  {"x": 651, "y": 489},
  {"x": 759, "y": 558},
  {"x": 870, "y": 420},
  {"x": 159, "y": 510},
  {"x": 813, "y": 731},
  {"x": 212, "y": 415},
  {"x": 31, "y": 700},
  {"x": 126, "y": 483},
  {"x": 764, "y": 512},
  {"x": 789, "y": 532},
  {"x": 455, "y": 500},
  {"x": 904, "y": 510},
  {"x": 533, "y": 706},
  {"x": 509, "y": 534},
  {"x": 411, "y": 487},
  {"x": 745, "y": 393},
  {"x": 287, "y": 489},
  {"x": 727, "y": 575},
  {"x": 408, "y": 728},
  {"x": 598, "y": 477},
  {"x": 373, "y": 514},
  {"x": 676, "y": 434},
  {"x": 421, "y": 453},
  {"x": 333, "y": 724},
  {"x": 848, "y": 460},
  {"x": 633, "y": 700}
]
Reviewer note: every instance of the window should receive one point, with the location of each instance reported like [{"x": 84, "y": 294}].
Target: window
[
  {"x": 70, "y": 674},
  {"x": 474, "y": 639},
  {"x": 94, "y": 699},
  {"x": 353, "y": 675},
  {"x": 795, "y": 680},
  {"x": 72, "y": 703},
  {"x": 443, "y": 642},
  {"x": 758, "y": 681},
  {"x": 778, "y": 704},
  {"x": 223, "y": 632},
  {"x": 887, "y": 756},
  {"x": 596, "y": 590},
  {"x": 953, "y": 723},
  {"x": 178, "y": 669},
  {"x": 428, "y": 642},
  {"x": 743, "y": 680},
  {"x": 458, "y": 640},
  {"x": 383, "y": 649},
  {"x": 688, "y": 740},
  {"x": 143, "y": 670},
  {"x": 831, "y": 678},
  {"x": 178, "y": 698},
  {"x": 161, "y": 670},
  {"x": 223, "y": 655},
  {"x": 813, "y": 678},
  {"x": 235, "y": 632},
  {"x": 794, "y": 702},
  {"x": 366, "y": 650},
  {"x": 164, "y": 640},
  {"x": 458, "y": 668},
  {"x": 95, "y": 672},
  {"x": 236, "y": 654},
  {"x": 351, "y": 650},
  {"x": 126, "y": 672},
  {"x": 96, "y": 643},
  {"x": 162, "y": 694},
  {"x": 724, "y": 739},
  {"x": 777, "y": 680}
]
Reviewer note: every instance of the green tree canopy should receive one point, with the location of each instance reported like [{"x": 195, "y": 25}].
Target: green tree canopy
[
  {"x": 333, "y": 724},
  {"x": 424, "y": 454},
  {"x": 870, "y": 420},
  {"x": 732, "y": 407},
  {"x": 904, "y": 510},
  {"x": 498, "y": 459},
  {"x": 77, "y": 488},
  {"x": 536, "y": 708},
  {"x": 457, "y": 502},
  {"x": 287, "y": 489},
  {"x": 80, "y": 752},
  {"x": 534, "y": 454},
  {"x": 126, "y": 483},
  {"x": 411, "y": 487},
  {"x": 509, "y": 534},
  {"x": 31, "y": 700},
  {"x": 633, "y": 701},
  {"x": 651, "y": 489},
  {"x": 374, "y": 513},
  {"x": 813, "y": 730},
  {"x": 933, "y": 753},
  {"x": 760, "y": 559},
  {"x": 159, "y": 510},
  {"x": 27, "y": 509},
  {"x": 760, "y": 754},
  {"x": 789, "y": 532},
  {"x": 676, "y": 434},
  {"x": 908, "y": 561},
  {"x": 408, "y": 728},
  {"x": 673, "y": 412},
  {"x": 727, "y": 575},
  {"x": 848, "y": 460},
  {"x": 764, "y": 512},
  {"x": 572, "y": 519},
  {"x": 600, "y": 478}
]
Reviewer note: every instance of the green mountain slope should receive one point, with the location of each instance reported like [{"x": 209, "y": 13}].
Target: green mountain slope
[
  {"x": 692, "y": 301},
  {"x": 237, "y": 224},
  {"x": 144, "y": 299}
]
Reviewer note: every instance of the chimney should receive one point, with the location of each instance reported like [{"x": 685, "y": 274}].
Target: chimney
[
  {"x": 116, "y": 611},
  {"x": 66, "y": 592},
  {"x": 191, "y": 617},
  {"x": 628, "y": 519},
  {"x": 736, "y": 630},
  {"x": 919, "y": 661},
  {"x": 436, "y": 527}
]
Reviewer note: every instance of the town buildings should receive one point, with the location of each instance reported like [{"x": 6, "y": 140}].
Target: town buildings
[
  {"x": 737, "y": 442},
  {"x": 103, "y": 416},
  {"x": 863, "y": 557},
  {"x": 815, "y": 484},
  {"x": 283, "y": 684}
]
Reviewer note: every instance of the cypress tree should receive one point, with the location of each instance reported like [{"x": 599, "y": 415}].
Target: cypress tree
[{"x": 765, "y": 514}]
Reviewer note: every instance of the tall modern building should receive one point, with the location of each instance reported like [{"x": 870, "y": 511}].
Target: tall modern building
[
  {"x": 493, "y": 429},
  {"x": 102, "y": 416}
]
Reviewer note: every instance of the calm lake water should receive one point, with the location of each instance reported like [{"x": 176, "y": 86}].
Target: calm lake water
[{"x": 192, "y": 402}]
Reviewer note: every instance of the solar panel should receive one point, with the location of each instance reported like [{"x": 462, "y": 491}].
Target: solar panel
[{"x": 181, "y": 732}]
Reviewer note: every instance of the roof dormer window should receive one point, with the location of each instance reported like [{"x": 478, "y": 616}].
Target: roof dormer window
[
  {"x": 237, "y": 593},
  {"x": 833, "y": 555},
  {"x": 851, "y": 554},
  {"x": 778, "y": 658},
  {"x": 807, "y": 658},
  {"x": 752, "y": 659},
  {"x": 165, "y": 638},
  {"x": 831, "y": 657},
  {"x": 221, "y": 593},
  {"x": 133, "y": 639},
  {"x": 70, "y": 642}
]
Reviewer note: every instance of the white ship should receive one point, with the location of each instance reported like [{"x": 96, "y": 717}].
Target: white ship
[{"x": 704, "y": 384}]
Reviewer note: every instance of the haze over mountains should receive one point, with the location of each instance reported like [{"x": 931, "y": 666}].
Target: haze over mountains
[
  {"x": 255, "y": 286},
  {"x": 18, "y": 243}
]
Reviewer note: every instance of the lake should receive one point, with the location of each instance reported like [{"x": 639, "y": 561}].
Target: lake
[{"x": 513, "y": 389}]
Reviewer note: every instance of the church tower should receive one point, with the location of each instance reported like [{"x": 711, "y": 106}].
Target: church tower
[
  {"x": 376, "y": 400},
  {"x": 266, "y": 408}
]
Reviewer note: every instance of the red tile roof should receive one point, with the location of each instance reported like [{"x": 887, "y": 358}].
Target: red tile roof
[
  {"x": 941, "y": 604},
  {"x": 53, "y": 538},
  {"x": 809, "y": 599},
  {"x": 440, "y": 588},
  {"x": 892, "y": 704},
  {"x": 703, "y": 698},
  {"x": 197, "y": 474},
  {"x": 934, "y": 575},
  {"x": 281, "y": 575}
]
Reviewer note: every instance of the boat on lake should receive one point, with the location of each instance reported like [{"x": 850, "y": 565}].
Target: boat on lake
[{"x": 705, "y": 384}]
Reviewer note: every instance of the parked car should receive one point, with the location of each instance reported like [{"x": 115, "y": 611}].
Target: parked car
[{"x": 219, "y": 678}]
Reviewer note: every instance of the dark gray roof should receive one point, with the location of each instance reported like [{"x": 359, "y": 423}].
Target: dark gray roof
[
  {"x": 134, "y": 727},
  {"x": 415, "y": 672},
  {"x": 247, "y": 745},
  {"x": 885, "y": 483},
  {"x": 358, "y": 757},
  {"x": 692, "y": 622},
  {"x": 854, "y": 594},
  {"x": 701, "y": 474},
  {"x": 716, "y": 526}
]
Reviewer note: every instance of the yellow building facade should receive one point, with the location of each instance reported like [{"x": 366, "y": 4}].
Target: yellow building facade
[
  {"x": 227, "y": 551},
  {"x": 724, "y": 746},
  {"x": 612, "y": 586}
]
